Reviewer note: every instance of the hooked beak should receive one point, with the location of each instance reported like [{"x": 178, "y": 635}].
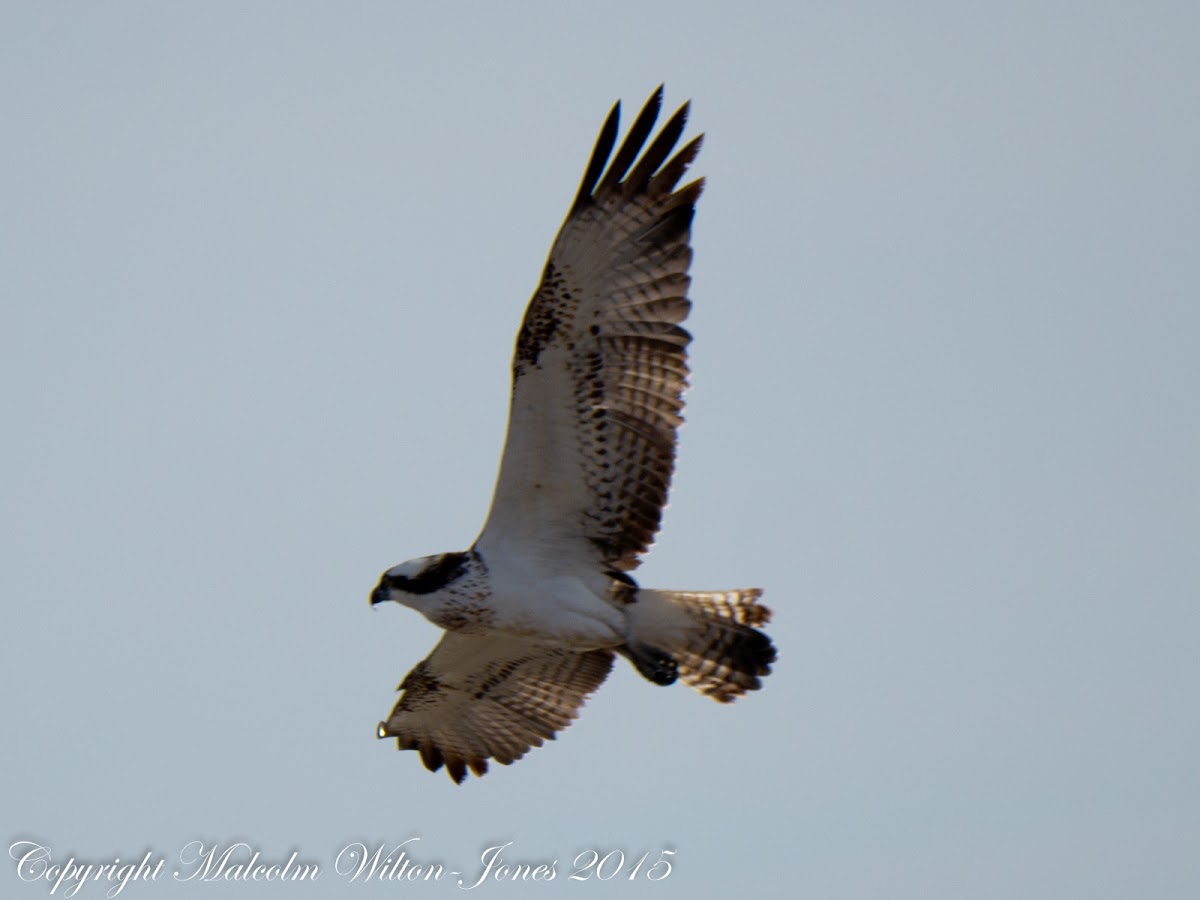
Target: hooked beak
[{"x": 380, "y": 594}]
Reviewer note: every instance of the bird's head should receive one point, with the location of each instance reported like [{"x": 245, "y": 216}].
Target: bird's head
[{"x": 418, "y": 578}]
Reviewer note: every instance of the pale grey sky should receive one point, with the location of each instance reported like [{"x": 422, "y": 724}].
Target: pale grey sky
[{"x": 262, "y": 269}]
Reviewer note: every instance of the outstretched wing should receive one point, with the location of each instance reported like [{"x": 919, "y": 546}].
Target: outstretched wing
[
  {"x": 481, "y": 697},
  {"x": 601, "y": 359}
]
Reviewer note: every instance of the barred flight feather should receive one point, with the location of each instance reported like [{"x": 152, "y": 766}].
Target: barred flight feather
[{"x": 535, "y": 611}]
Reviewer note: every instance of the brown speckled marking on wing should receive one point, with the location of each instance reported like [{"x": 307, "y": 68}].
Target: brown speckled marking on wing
[
  {"x": 421, "y": 686},
  {"x": 601, "y": 359},
  {"x": 477, "y": 698},
  {"x": 553, "y": 311}
]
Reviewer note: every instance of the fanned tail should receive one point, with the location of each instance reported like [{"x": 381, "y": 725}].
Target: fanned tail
[{"x": 710, "y": 635}]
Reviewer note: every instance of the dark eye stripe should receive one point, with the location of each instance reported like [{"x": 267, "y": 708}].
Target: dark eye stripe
[{"x": 450, "y": 567}]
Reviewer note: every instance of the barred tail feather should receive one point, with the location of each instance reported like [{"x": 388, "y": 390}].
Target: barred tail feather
[{"x": 710, "y": 635}]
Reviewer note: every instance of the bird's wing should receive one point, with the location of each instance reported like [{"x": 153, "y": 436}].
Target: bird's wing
[
  {"x": 601, "y": 358},
  {"x": 481, "y": 697}
]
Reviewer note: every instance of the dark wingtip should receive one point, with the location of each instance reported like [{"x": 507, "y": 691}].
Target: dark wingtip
[
  {"x": 596, "y": 180},
  {"x": 595, "y": 167},
  {"x": 631, "y": 147},
  {"x": 431, "y": 756}
]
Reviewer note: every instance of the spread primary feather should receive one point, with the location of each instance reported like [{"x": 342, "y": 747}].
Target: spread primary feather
[{"x": 539, "y": 605}]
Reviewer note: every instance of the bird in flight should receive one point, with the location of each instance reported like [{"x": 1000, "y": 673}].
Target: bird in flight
[{"x": 535, "y": 611}]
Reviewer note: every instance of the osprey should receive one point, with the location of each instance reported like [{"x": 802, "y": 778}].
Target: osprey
[{"x": 536, "y": 609}]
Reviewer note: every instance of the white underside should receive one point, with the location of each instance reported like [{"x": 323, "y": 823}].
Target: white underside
[{"x": 556, "y": 609}]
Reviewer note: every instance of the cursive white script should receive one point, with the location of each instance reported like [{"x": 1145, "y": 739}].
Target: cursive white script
[
  {"x": 33, "y": 864},
  {"x": 230, "y": 864}
]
